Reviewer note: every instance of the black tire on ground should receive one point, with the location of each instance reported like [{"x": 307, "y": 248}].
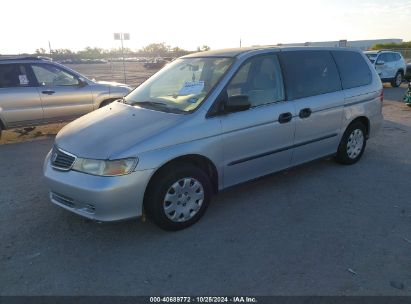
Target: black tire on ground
[
  {"x": 155, "y": 197},
  {"x": 342, "y": 156},
  {"x": 397, "y": 80}
]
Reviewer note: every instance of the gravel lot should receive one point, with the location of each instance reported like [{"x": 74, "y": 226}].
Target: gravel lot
[{"x": 319, "y": 229}]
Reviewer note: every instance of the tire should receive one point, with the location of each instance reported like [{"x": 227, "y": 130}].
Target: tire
[
  {"x": 397, "y": 80},
  {"x": 352, "y": 144},
  {"x": 180, "y": 208}
]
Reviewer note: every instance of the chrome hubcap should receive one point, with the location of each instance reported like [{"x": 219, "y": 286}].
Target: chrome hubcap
[
  {"x": 355, "y": 143},
  {"x": 183, "y": 199}
]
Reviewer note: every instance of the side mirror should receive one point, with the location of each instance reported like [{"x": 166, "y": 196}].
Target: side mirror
[
  {"x": 82, "y": 82},
  {"x": 380, "y": 62},
  {"x": 237, "y": 103}
]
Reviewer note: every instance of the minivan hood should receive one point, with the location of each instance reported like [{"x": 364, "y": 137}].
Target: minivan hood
[{"x": 112, "y": 129}]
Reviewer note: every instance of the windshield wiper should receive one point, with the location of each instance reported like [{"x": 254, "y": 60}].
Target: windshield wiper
[
  {"x": 156, "y": 105},
  {"x": 148, "y": 103}
]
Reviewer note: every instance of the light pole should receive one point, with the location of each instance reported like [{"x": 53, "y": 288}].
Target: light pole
[{"x": 122, "y": 37}]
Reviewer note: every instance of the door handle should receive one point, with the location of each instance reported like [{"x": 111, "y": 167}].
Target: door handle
[
  {"x": 285, "y": 117},
  {"x": 48, "y": 92},
  {"x": 304, "y": 113}
]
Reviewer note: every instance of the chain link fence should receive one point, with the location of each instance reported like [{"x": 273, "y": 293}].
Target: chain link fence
[{"x": 406, "y": 53}]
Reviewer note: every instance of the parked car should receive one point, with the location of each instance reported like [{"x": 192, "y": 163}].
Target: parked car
[
  {"x": 155, "y": 63},
  {"x": 37, "y": 91},
  {"x": 389, "y": 65},
  {"x": 209, "y": 121},
  {"x": 407, "y": 75}
]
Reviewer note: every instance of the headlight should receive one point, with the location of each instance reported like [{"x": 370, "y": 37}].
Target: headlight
[{"x": 105, "y": 167}]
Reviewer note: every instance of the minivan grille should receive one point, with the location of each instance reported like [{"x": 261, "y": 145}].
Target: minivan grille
[{"x": 61, "y": 159}]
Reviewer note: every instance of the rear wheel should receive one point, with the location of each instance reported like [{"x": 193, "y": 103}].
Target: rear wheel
[
  {"x": 397, "y": 80},
  {"x": 178, "y": 197},
  {"x": 352, "y": 144}
]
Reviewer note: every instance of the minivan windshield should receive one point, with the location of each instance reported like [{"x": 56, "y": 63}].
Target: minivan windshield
[{"x": 181, "y": 86}]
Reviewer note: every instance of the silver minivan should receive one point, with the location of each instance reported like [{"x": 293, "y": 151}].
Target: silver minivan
[{"x": 209, "y": 121}]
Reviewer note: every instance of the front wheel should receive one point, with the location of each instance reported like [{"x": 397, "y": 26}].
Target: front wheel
[
  {"x": 352, "y": 144},
  {"x": 178, "y": 197},
  {"x": 397, "y": 80}
]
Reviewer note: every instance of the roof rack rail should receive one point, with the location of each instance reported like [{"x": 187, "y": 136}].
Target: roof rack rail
[
  {"x": 10, "y": 58},
  {"x": 385, "y": 50}
]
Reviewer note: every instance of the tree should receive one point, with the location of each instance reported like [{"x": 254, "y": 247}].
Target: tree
[
  {"x": 60, "y": 54},
  {"x": 118, "y": 52},
  {"x": 402, "y": 45},
  {"x": 91, "y": 53},
  {"x": 159, "y": 49},
  {"x": 40, "y": 51}
]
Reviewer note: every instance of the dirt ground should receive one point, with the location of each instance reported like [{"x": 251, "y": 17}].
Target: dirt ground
[{"x": 136, "y": 73}]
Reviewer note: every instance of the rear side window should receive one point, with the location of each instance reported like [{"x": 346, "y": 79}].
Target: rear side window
[
  {"x": 13, "y": 76},
  {"x": 354, "y": 71},
  {"x": 310, "y": 73}
]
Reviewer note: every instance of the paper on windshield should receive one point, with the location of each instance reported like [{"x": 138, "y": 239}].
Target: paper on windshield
[
  {"x": 23, "y": 80},
  {"x": 191, "y": 87}
]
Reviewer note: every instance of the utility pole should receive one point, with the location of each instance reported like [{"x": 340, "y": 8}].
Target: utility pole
[
  {"x": 122, "y": 37},
  {"x": 49, "y": 47},
  {"x": 240, "y": 41}
]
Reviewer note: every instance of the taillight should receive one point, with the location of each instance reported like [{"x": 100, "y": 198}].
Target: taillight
[{"x": 382, "y": 95}]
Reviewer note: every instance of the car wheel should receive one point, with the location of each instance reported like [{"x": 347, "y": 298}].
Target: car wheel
[
  {"x": 178, "y": 197},
  {"x": 352, "y": 144},
  {"x": 397, "y": 80}
]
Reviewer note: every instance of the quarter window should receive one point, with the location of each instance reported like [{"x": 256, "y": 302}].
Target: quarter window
[
  {"x": 13, "y": 76},
  {"x": 353, "y": 69},
  {"x": 310, "y": 73},
  {"x": 50, "y": 75},
  {"x": 260, "y": 79}
]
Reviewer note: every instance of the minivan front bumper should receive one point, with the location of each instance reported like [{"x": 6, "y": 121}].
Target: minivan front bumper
[{"x": 98, "y": 198}]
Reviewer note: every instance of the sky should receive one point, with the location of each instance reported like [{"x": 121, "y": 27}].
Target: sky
[{"x": 27, "y": 25}]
